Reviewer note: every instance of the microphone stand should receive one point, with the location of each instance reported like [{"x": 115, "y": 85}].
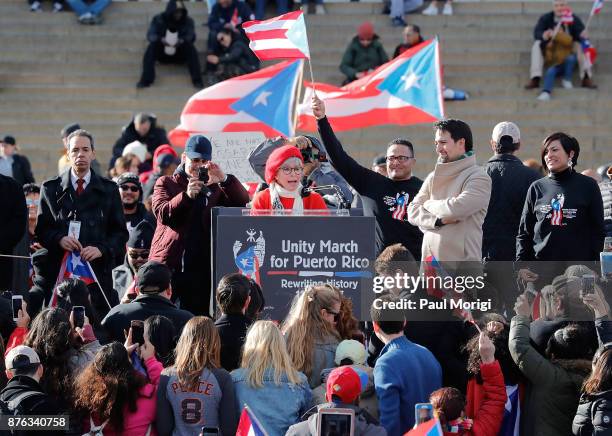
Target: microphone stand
[{"x": 342, "y": 203}]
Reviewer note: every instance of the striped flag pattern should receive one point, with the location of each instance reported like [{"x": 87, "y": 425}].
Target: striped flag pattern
[
  {"x": 282, "y": 37},
  {"x": 597, "y": 5}
]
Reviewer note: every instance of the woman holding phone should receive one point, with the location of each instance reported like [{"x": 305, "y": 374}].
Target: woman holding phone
[
  {"x": 562, "y": 221},
  {"x": 195, "y": 392}
]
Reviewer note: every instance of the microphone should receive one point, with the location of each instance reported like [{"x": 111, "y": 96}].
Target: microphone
[{"x": 342, "y": 203}]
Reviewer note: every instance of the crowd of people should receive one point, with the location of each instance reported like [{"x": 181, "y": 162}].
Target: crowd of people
[{"x": 152, "y": 345}]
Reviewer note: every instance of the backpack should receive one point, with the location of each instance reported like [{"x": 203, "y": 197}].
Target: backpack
[{"x": 13, "y": 407}]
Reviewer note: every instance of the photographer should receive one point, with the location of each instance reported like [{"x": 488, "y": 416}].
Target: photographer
[
  {"x": 182, "y": 204},
  {"x": 318, "y": 171}
]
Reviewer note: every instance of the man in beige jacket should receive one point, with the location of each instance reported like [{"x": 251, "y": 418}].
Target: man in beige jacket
[{"x": 452, "y": 203}]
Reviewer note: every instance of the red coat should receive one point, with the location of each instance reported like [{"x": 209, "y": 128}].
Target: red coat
[
  {"x": 174, "y": 211},
  {"x": 486, "y": 402},
  {"x": 262, "y": 201}
]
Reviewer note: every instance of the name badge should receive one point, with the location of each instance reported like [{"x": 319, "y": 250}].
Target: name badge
[{"x": 74, "y": 229}]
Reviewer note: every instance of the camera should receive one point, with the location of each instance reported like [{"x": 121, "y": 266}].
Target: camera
[
  {"x": 312, "y": 154},
  {"x": 203, "y": 174}
]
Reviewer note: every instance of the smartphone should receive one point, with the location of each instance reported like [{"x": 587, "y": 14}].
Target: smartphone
[
  {"x": 137, "y": 332},
  {"x": 588, "y": 284},
  {"x": 209, "y": 431},
  {"x": 17, "y": 301},
  {"x": 336, "y": 422},
  {"x": 78, "y": 316},
  {"x": 423, "y": 412}
]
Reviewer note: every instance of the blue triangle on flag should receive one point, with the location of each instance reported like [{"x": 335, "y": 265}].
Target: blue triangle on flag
[
  {"x": 271, "y": 103},
  {"x": 417, "y": 81}
]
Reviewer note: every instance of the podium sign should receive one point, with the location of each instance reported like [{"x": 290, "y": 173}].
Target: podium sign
[{"x": 285, "y": 254}]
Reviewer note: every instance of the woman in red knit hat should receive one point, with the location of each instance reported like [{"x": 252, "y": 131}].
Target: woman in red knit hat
[{"x": 284, "y": 171}]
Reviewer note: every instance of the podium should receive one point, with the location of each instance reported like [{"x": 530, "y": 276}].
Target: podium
[{"x": 285, "y": 252}]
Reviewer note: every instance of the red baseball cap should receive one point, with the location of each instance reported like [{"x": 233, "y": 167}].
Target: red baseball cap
[{"x": 346, "y": 383}]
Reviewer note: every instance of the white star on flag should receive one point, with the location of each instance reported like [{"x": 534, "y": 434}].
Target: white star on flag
[
  {"x": 244, "y": 262},
  {"x": 262, "y": 98},
  {"x": 410, "y": 80},
  {"x": 76, "y": 261}
]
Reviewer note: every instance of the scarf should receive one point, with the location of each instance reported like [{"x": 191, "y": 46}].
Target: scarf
[{"x": 277, "y": 191}]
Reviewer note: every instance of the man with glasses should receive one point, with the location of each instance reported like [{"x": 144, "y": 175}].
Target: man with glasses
[
  {"x": 385, "y": 198},
  {"x": 134, "y": 210},
  {"x": 182, "y": 204},
  {"x": 138, "y": 247}
]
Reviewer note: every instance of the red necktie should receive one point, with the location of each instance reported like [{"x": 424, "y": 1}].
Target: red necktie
[{"x": 80, "y": 188}]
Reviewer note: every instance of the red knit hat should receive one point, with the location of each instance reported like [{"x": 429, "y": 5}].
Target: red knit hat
[
  {"x": 365, "y": 30},
  {"x": 276, "y": 159},
  {"x": 346, "y": 383}
]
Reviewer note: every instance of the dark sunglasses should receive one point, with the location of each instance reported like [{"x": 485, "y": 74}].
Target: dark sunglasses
[
  {"x": 129, "y": 188},
  {"x": 136, "y": 255}
]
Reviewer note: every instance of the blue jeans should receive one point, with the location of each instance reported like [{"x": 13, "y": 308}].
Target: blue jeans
[
  {"x": 95, "y": 8},
  {"x": 282, "y": 7},
  {"x": 566, "y": 68}
]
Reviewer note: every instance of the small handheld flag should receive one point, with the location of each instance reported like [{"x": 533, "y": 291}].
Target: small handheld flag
[
  {"x": 429, "y": 428},
  {"x": 249, "y": 425},
  {"x": 597, "y": 6},
  {"x": 282, "y": 37}
]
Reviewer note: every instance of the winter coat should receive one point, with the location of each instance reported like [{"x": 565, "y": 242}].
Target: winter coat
[
  {"x": 510, "y": 180},
  {"x": 137, "y": 423},
  {"x": 22, "y": 171},
  {"x": 39, "y": 404},
  {"x": 358, "y": 58},
  {"x": 606, "y": 194},
  {"x": 457, "y": 190},
  {"x": 552, "y": 396},
  {"x": 153, "y": 139},
  {"x": 486, "y": 401},
  {"x": 594, "y": 415},
  {"x": 277, "y": 406},
  {"x": 364, "y": 425},
  {"x": 183, "y": 224},
  {"x": 405, "y": 374},
  {"x": 141, "y": 308},
  {"x": 232, "y": 331},
  {"x": 141, "y": 214},
  {"x": 312, "y": 201},
  {"x": 239, "y": 54},
  {"x": 100, "y": 212},
  {"x": 323, "y": 356},
  {"x": 367, "y": 399},
  {"x": 123, "y": 276},
  {"x": 547, "y": 22}
]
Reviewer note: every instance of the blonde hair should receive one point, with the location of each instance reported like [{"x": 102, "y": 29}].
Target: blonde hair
[
  {"x": 198, "y": 347},
  {"x": 265, "y": 348},
  {"x": 304, "y": 324}
]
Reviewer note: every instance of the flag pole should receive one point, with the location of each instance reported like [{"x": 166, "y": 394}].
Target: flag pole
[
  {"x": 588, "y": 23},
  {"x": 299, "y": 96},
  {"x": 93, "y": 273},
  {"x": 312, "y": 78}
]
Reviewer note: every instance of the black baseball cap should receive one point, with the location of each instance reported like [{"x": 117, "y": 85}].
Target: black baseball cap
[
  {"x": 198, "y": 147},
  {"x": 9, "y": 140},
  {"x": 153, "y": 277},
  {"x": 68, "y": 129}
]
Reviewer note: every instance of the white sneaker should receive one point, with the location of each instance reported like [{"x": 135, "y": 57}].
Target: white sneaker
[
  {"x": 432, "y": 9},
  {"x": 544, "y": 96},
  {"x": 320, "y": 10},
  {"x": 567, "y": 84},
  {"x": 35, "y": 7},
  {"x": 448, "y": 8}
]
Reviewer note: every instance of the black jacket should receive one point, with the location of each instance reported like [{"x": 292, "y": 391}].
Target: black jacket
[
  {"x": 142, "y": 214},
  {"x": 576, "y": 234},
  {"x": 606, "y": 195},
  {"x": 232, "y": 330},
  {"x": 239, "y": 54},
  {"x": 13, "y": 223},
  {"x": 547, "y": 22},
  {"x": 100, "y": 212},
  {"x": 165, "y": 21},
  {"x": 22, "y": 171},
  {"x": 594, "y": 415},
  {"x": 510, "y": 182},
  {"x": 144, "y": 306},
  {"x": 153, "y": 139},
  {"x": 379, "y": 195}
]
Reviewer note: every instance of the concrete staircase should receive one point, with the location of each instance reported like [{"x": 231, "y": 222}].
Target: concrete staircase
[{"x": 54, "y": 71}]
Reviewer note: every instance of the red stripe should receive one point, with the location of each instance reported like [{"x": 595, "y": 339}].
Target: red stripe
[
  {"x": 268, "y": 34},
  {"x": 369, "y": 91},
  {"x": 402, "y": 116},
  {"x": 212, "y": 107},
  {"x": 280, "y": 53},
  {"x": 282, "y": 273}
]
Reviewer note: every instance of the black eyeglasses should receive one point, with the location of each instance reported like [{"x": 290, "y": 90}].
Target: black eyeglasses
[
  {"x": 136, "y": 255},
  {"x": 401, "y": 159},
  {"x": 129, "y": 188}
]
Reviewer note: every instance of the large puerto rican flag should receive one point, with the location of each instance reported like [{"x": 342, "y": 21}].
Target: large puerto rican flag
[
  {"x": 282, "y": 37},
  {"x": 406, "y": 90},
  {"x": 258, "y": 102}
]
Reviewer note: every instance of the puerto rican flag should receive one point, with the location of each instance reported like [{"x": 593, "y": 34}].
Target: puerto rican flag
[
  {"x": 567, "y": 17},
  {"x": 557, "y": 218},
  {"x": 282, "y": 37},
  {"x": 258, "y": 102},
  {"x": 401, "y": 207},
  {"x": 429, "y": 428},
  {"x": 249, "y": 425},
  {"x": 73, "y": 267},
  {"x": 407, "y": 90},
  {"x": 597, "y": 5}
]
